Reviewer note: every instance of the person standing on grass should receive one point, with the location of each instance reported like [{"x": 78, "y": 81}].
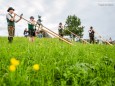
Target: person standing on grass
[
  {"x": 60, "y": 29},
  {"x": 39, "y": 21},
  {"x": 91, "y": 35},
  {"x": 10, "y": 17},
  {"x": 31, "y": 29}
]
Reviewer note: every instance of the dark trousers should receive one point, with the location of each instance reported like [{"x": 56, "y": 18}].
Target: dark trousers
[
  {"x": 92, "y": 39},
  {"x": 11, "y": 33},
  {"x": 61, "y": 35}
]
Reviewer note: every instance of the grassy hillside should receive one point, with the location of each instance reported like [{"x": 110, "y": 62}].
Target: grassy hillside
[{"x": 60, "y": 64}]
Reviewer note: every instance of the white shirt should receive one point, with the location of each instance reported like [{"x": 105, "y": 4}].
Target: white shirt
[{"x": 8, "y": 15}]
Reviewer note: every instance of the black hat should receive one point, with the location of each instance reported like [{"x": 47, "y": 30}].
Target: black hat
[
  {"x": 31, "y": 17},
  {"x": 91, "y": 27},
  {"x": 39, "y": 16},
  {"x": 10, "y": 8},
  {"x": 60, "y": 23}
]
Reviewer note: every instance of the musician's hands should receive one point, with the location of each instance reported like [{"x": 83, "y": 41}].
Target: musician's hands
[{"x": 20, "y": 17}]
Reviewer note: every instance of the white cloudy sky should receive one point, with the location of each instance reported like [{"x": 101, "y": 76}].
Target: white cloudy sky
[{"x": 97, "y": 13}]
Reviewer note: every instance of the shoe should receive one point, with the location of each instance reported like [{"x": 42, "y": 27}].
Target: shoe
[{"x": 10, "y": 39}]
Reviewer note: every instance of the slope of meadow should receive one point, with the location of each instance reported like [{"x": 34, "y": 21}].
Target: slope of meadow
[{"x": 60, "y": 64}]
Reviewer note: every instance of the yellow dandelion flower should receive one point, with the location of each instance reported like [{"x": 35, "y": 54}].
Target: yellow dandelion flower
[
  {"x": 14, "y": 62},
  {"x": 36, "y": 67},
  {"x": 12, "y": 68}
]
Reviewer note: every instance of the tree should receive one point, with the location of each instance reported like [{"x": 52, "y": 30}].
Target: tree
[{"x": 73, "y": 24}]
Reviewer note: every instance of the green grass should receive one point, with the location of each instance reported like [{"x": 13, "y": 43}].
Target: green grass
[{"x": 60, "y": 64}]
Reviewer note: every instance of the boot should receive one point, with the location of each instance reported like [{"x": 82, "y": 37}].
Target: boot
[{"x": 10, "y": 39}]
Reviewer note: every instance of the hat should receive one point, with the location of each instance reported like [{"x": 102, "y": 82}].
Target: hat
[
  {"x": 60, "y": 23},
  {"x": 39, "y": 16},
  {"x": 10, "y": 8},
  {"x": 31, "y": 17},
  {"x": 91, "y": 27}
]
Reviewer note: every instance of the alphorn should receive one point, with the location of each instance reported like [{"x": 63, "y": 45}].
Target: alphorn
[
  {"x": 102, "y": 38},
  {"x": 49, "y": 31},
  {"x": 54, "y": 32},
  {"x": 78, "y": 37}
]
